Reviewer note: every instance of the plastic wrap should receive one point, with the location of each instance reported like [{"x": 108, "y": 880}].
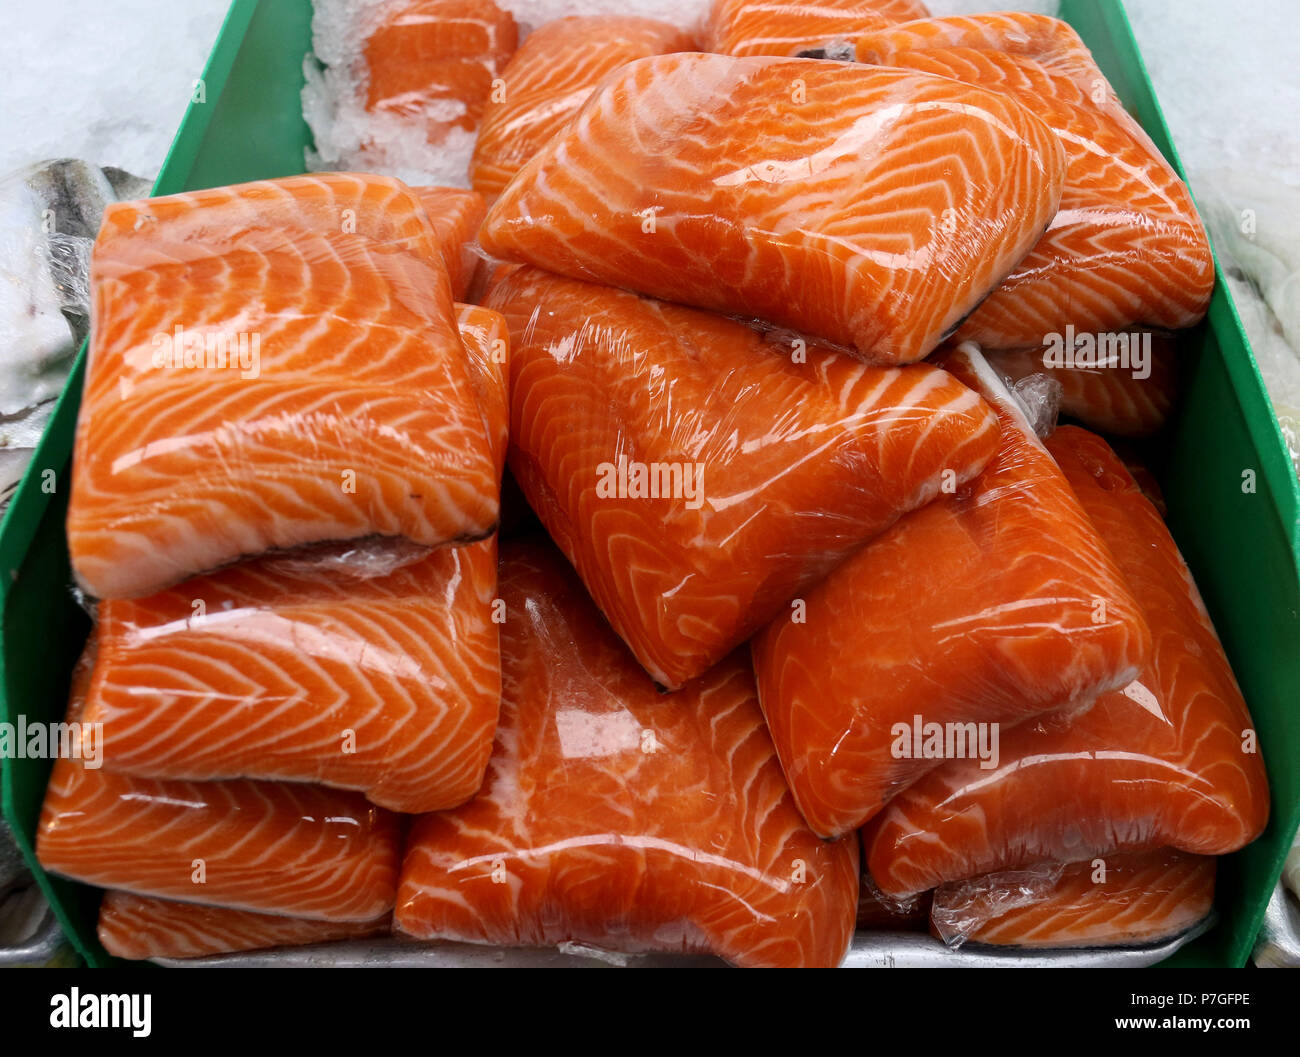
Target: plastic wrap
[
  {"x": 265, "y": 846},
  {"x": 791, "y": 27},
  {"x": 871, "y": 207},
  {"x": 989, "y": 607},
  {"x": 399, "y": 86},
  {"x": 620, "y": 819},
  {"x": 284, "y": 669},
  {"x": 550, "y": 77},
  {"x": 1168, "y": 761},
  {"x": 138, "y": 927},
  {"x": 1127, "y": 246},
  {"x": 699, "y": 473},
  {"x": 455, "y": 216},
  {"x": 1121, "y": 900},
  {"x": 1125, "y": 388},
  {"x": 272, "y": 365}
]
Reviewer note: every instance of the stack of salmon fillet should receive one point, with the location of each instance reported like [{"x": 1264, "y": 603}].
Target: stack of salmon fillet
[{"x": 803, "y": 615}]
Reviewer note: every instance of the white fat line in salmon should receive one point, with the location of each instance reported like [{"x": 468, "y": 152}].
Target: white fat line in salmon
[
  {"x": 628, "y": 479},
  {"x": 1114, "y": 349},
  {"x": 209, "y": 350},
  {"x": 946, "y": 741},
  {"x": 75, "y": 1010},
  {"x": 48, "y": 741}
]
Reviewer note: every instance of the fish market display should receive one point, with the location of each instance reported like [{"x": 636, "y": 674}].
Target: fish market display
[
  {"x": 1126, "y": 390},
  {"x": 871, "y": 207},
  {"x": 455, "y": 216},
  {"x": 271, "y": 365},
  {"x": 266, "y": 846},
  {"x": 626, "y": 519},
  {"x": 548, "y": 80},
  {"x": 792, "y": 27},
  {"x": 700, "y": 474},
  {"x": 1127, "y": 246},
  {"x": 986, "y": 608},
  {"x": 619, "y": 818},
  {"x": 139, "y": 927},
  {"x": 1124, "y": 899},
  {"x": 1170, "y": 760},
  {"x": 309, "y": 671}
]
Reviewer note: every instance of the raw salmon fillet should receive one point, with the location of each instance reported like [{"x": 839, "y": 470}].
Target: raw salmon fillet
[
  {"x": 1108, "y": 394},
  {"x": 788, "y": 27},
  {"x": 138, "y": 927},
  {"x": 1131, "y": 899},
  {"x": 266, "y": 846},
  {"x": 308, "y": 671},
  {"x": 1164, "y": 762},
  {"x": 487, "y": 350},
  {"x": 1127, "y": 245},
  {"x": 435, "y": 60},
  {"x": 988, "y": 607},
  {"x": 871, "y": 207},
  {"x": 621, "y": 818},
  {"x": 455, "y": 216},
  {"x": 356, "y": 416},
  {"x": 788, "y": 455},
  {"x": 548, "y": 80}
]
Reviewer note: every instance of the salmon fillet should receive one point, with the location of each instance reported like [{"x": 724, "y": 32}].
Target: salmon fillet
[
  {"x": 871, "y": 207},
  {"x": 1125, "y": 899},
  {"x": 350, "y": 414},
  {"x": 1127, "y": 245},
  {"x": 788, "y": 27},
  {"x": 1110, "y": 396},
  {"x": 788, "y": 455},
  {"x": 138, "y": 927},
  {"x": 455, "y": 216},
  {"x": 277, "y": 848},
  {"x": 548, "y": 80},
  {"x": 309, "y": 671},
  {"x": 487, "y": 351},
  {"x": 1165, "y": 762},
  {"x": 621, "y": 818},
  {"x": 990, "y": 606},
  {"x": 435, "y": 61}
]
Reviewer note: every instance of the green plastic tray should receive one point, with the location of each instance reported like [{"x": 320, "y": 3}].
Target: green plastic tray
[{"x": 1242, "y": 545}]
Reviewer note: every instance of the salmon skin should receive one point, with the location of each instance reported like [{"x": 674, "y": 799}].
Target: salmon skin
[
  {"x": 874, "y": 208},
  {"x": 435, "y": 60},
  {"x": 455, "y": 216},
  {"x": 620, "y": 818},
  {"x": 787, "y": 455},
  {"x": 991, "y": 606},
  {"x": 265, "y": 846},
  {"x": 139, "y": 927},
  {"x": 1127, "y": 246},
  {"x": 1126, "y": 899},
  {"x": 271, "y": 365},
  {"x": 790, "y": 27},
  {"x": 1168, "y": 761},
  {"x": 1110, "y": 392},
  {"x": 548, "y": 80},
  {"x": 309, "y": 671}
]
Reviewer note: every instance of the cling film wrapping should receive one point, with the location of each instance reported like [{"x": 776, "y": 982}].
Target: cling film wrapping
[
  {"x": 271, "y": 365},
  {"x": 617, "y": 818},
  {"x": 986, "y": 608},
  {"x": 699, "y": 473},
  {"x": 1168, "y": 760},
  {"x": 264, "y": 846},
  {"x": 803, "y": 192}
]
